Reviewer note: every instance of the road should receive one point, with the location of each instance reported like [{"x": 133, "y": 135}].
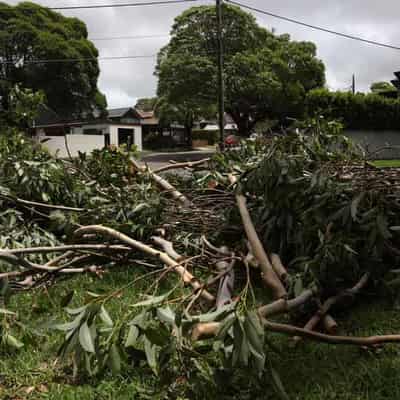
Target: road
[{"x": 158, "y": 160}]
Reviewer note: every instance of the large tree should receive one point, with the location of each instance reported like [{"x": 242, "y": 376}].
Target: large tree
[
  {"x": 29, "y": 34},
  {"x": 266, "y": 76}
]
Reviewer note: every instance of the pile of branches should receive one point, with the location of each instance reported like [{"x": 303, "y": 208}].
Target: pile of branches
[{"x": 301, "y": 214}]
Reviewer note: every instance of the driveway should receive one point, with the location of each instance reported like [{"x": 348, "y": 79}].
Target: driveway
[{"x": 158, "y": 160}]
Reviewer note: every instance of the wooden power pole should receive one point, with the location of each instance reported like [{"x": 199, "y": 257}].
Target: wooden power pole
[{"x": 221, "y": 94}]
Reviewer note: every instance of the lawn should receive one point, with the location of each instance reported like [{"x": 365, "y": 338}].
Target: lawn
[
  {"x": 386, "y": 163},
  {"x": 309, "y": 371}
]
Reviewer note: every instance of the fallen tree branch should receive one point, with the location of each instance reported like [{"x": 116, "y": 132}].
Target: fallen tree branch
[
  {"x": 331, "y": 339},
  {"x": 168, "y": 247},
  {"x": 75, "y": 247},
  {"x": 190, "y": 164},
  {"x": 269, "y": 276},
  {"x": 324, "y": 309},
  {"x": 163, "y": 183},
  {"x": 186, "y": 276},
  {"x": 42, "y": 205},
  {"x": 278, "y": 267}
]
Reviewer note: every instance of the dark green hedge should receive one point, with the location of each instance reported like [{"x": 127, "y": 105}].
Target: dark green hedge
[{"x": 355, "y": 111}]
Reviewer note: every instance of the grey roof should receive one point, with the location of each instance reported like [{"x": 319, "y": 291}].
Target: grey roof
[{"x": 118, "y": 112}]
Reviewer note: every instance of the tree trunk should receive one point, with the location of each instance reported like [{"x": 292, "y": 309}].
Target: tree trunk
[{"x": 188, "y": 135}]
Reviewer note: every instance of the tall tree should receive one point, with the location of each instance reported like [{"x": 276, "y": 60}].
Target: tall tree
[
  {"x": 266, "y": 76},
  {"x": 30, "y": 33}
]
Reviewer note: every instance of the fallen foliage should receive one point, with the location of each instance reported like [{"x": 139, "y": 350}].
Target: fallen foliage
[{"x": 292, "y": 228}]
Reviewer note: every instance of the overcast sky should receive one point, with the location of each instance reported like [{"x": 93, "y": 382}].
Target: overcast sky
[{"x": 126, "y": 80}]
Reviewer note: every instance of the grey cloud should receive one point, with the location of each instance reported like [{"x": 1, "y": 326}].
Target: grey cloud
[{"x": 126, "y": 80}]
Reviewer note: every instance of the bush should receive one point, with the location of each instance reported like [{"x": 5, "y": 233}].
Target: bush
[{"x": 355, "y": 111}]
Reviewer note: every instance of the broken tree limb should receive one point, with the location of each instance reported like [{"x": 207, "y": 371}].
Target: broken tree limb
[
  {"x": 186, "y": 276},
  {"x": 323, "y": 310},
  {"x": 163, "y": 184},
  {"x": 269, "y": 276},
  {"x": 168, "y": 247},
  {"x": 331, "y": 339},
  {"x": 278, "y": 267},
  {"x": 277, "y": 307},
  {"x": 42, "y": 205},
  {"x": 330, "y": 325},
  {"x": 283, "y": 305},
  {"x": 74, "y": 247},
  {"x": 190, "y": 164}
]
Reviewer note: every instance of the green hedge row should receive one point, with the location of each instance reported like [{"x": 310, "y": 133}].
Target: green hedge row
[{"x": 355, "y": 111}]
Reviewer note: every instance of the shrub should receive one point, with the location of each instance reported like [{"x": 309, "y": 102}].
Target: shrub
[{"x": 355, "y": 111}]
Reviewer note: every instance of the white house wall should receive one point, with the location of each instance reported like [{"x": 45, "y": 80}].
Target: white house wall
[{"x": 75, "y": 142}]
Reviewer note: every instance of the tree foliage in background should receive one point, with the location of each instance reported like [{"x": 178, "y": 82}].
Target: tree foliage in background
[
  {"x": 266, "y": 76},
  {"x": 355, "y": 111},
  {"x": 385, "y": 89},
  {"x": 29, "y": 32}
]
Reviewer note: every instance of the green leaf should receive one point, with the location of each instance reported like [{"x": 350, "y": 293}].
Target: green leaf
[
  {"x": 166, "y": 315},
  {"x": 105, "y": 317},
  {"x": 349, "y": 249},
  {"x": 152, "y": 300},
  {"x": 151, "y": 355},
  {"x": 280, "y": 389},
  {"x": 115, "y": 359},
  {"x": 159, "y": 335},
  {"x": 85, "y": 338},
  {"x": 69, "y": 325},
  {"x": 255, "y": 334},
  {"x": 132, "y": 337},
  {"x": 226, "y": 325},
  {"x": 12, "y": 341},
  {"x": 7, "y": 312},
  {"x": 216, "y": 315}
]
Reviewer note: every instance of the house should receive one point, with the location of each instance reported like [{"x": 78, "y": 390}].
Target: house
[
  {"x": 121, "y": 126},
  {"x": 156, "y": 135}
]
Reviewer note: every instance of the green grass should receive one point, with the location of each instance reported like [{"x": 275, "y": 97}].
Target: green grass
[
  {"x": 309, "y": 371},
  {"x": 386, "y": 163}
]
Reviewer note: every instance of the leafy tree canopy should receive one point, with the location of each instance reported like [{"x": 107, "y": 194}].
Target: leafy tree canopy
[
  {"x": 29, "y": 32},
  {"x": 266, "y": 76}
]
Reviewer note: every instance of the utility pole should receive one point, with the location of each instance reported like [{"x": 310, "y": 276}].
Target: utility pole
[
  {"x": 221, "y": 105},
  {"x": 353, "y": 85}
]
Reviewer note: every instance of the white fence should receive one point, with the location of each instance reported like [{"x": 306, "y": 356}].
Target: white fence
[{"x": 57, "y": 145}]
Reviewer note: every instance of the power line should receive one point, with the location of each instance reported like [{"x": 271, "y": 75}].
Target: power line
[
  {"x": 128, "y": 37},
  {"x": 319, "y": 28},
  {"x": 85, "y": 59},
  {"x": 147, "y": 3},
  {"x": 61, "y": 60}
]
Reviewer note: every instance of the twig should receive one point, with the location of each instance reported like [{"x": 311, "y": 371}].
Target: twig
[
  {"x": 42, "y": 205},
  {"x": 186, "y": 276}
]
